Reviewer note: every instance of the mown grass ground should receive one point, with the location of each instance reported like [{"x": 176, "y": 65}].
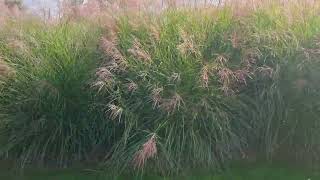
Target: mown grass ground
[{"x": 251, "y": 172}]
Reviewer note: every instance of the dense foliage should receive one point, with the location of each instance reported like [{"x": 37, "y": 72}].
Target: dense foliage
[
  {"x": 47, "y": 109},
  {"x": 165, "y": 92}
]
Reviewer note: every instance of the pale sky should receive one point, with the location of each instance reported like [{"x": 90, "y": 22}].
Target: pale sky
[
  {"x": 36, "y": 5},
  {"x": 39, "y": 5}
]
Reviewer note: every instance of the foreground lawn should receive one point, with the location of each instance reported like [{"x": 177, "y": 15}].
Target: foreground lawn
[{"x": 256, "y": 172}]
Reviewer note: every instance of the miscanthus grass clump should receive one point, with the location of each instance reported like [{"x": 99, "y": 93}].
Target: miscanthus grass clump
[
  {"x": 175, "y": 82},
  {"x": 197, "y": 88},
  {"x": 47, "y": 109},
  {"x": 282, "y": 103}
]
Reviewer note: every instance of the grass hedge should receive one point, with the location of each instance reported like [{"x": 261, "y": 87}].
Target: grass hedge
[{"x": 167, "y": 92}]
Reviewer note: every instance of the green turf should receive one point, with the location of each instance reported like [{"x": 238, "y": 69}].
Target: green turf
[{"x": 256, "y": 172}]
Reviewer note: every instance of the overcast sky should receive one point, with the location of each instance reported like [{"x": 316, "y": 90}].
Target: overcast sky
[{"x": 36, "y": 5}]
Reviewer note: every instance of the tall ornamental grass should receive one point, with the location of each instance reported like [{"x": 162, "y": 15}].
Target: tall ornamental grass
[
  {"x": 163, "y": 92},
  {"x": 173, "y": 89},
  {"x": 196, "y": 88},
  {"x": 47, "y": 109}
]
